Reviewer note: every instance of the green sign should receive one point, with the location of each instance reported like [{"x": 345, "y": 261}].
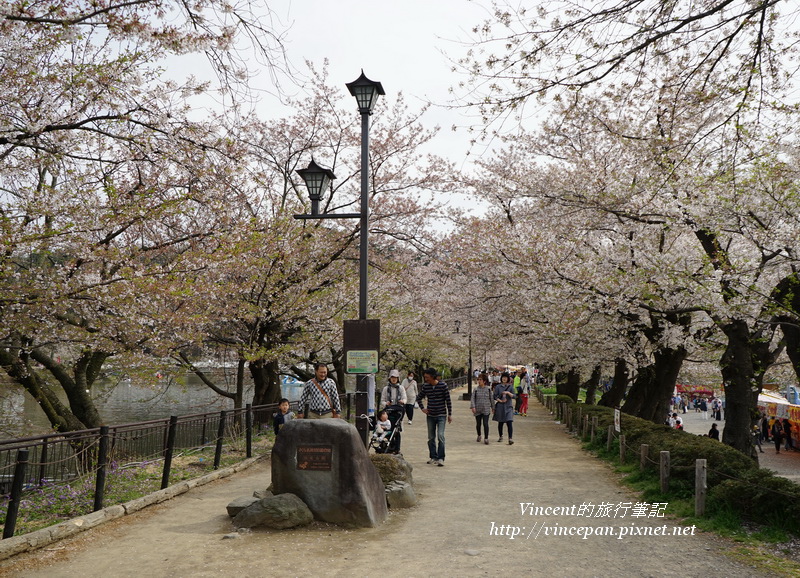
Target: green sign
[{"x": 362, "y": 361}]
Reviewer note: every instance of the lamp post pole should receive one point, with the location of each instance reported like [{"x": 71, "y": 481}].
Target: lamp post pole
[
  {"x": 363, "y": 280},
  {"x": 366, "y": 92},
  {"x": 468, "y": 395},
  {"x": 469, "y": 379}
]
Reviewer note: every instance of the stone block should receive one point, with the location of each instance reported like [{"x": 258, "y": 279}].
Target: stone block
[
  {"x": 280, "y": 512},
  {"x": 400, "y": 495},
  {"x": 392, "y": 468},
  {"x": 334, "y": 475},
  {"x": 12, "y": 546},
  {"x": 240, "y": 504},
  {"x": 261, "y": 494}
]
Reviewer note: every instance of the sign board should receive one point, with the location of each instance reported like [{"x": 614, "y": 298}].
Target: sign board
[
  {"x": 617, "y": 420},
  {"x": 362, "y": 342},
  {"x": 315, "y": 457},
  {"x": 362, "y": 361}
]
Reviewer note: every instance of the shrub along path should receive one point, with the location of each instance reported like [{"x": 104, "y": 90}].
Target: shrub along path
[
  {"x": 469, "y": 522},
  {"x": 786, "y": 464}
]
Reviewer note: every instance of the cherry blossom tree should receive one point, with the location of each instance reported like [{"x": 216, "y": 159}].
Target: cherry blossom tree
[
  {"x": 682, "y": 236},
  {"x": 667, "y": 126},
  {"x": 523, "y": 53},
  {"x": 280, "y": 301},
  {"x": 108, "y": 188}
]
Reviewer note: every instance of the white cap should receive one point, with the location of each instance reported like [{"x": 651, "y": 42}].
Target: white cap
[{"x": 394, "y": 373}]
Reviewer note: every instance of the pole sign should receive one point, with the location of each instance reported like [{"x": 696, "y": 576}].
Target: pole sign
[
  {"x": 362, "y": 361},
  {"x": 362, "y": 342},
  {"x": 617, "y": 420}
]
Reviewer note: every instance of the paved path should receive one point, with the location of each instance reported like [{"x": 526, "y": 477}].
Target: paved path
[
  {"x": 786, "y": 464},
  {"x": 463, "y": 525}
]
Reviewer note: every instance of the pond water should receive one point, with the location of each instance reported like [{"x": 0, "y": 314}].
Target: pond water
[{"x": 121, "y": 401}]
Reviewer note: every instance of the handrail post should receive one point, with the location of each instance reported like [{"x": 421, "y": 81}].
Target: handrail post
[
  {"x": 248, "y": 426},
  {"x": 168, "y": 451},
  {"x": 220, "y": 435},
  {"x": 100, "y": 480},
  {"x": 700, "y": 487},
  {"x": 43, "y": 463},
  {"x": 16, "y": 494}
]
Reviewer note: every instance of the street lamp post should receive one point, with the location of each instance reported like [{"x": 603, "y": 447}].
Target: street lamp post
[
  {"x": 366, "y": 92},
  {"x": 469, "y": 368}
]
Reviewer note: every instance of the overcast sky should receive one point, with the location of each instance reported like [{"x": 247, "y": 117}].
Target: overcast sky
[{"x": 400, "y": 43}]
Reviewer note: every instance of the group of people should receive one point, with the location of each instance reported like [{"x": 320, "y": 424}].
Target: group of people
[
  {"x": 776, "y": 430},
  {"x": 501, "y": 399},
  {"x": 681, "y": 403},
  {"x": 496, "y": 400},
  {"x": 397, "y": 395},
  {"x": 769, "y": 429},
  {"x": 432, "y": 397},
  {"x": 674, "y": 421},
  {"x": 319, "y": 394},
  {"x": 522, "y": 382}
]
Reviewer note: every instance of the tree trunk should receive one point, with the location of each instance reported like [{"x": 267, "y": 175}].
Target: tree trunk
[
  {"x": 645, "y": 377},
  {"x": 787, "y": 293},
  {"x": 591, "y": 385},
  {"x": 613, "y": 397},
  {"x": 571, "y": 386},
  {"x": 791, "y": 337},
  {"x": 85, "y": 371},
  {"x": 266, "y": 381},
  {"x": 82, "y": 412},
  {"x": 649, "y": 397},
  {"x": 668, "y": 363},
  {"x": 238, "y": 399},
  {"x": 738, "y": 376}
]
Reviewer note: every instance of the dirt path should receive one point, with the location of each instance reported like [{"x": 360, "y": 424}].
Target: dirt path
[{"x": 461, "y": 526}]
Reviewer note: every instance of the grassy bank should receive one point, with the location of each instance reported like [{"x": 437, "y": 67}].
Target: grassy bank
[
  {"x": 49, "y": 504},
  {"x": 760, "y": 511}
]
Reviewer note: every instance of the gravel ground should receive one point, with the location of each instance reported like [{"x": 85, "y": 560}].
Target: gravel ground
[{"x": 476, "y": 517}]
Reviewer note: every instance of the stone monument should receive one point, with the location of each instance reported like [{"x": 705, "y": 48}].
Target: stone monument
[{"x": 324, "y": 462}]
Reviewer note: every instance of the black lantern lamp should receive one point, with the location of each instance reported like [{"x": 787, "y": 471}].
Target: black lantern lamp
[
  {"x": 317, "y": 179},
  {"x": 366, "y": 92}
]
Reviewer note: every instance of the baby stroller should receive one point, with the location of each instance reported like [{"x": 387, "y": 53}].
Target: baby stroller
[{"x": 390, "y": 442}]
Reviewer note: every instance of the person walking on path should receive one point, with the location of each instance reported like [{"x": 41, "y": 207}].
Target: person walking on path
[
  {"x": 439, "y": 409},
  {"x": 524, "y": 392},
  {"x": 787, "y": 435},
  {"x": 504, "y": 407},
  {"x": 777, "y": 435},
  {"x": 757, "y": 438},
  {"x": 704, "y": 408},
  {"x": 713, "y": 433},
  {"x": 716, "y": 409},
  {"x": 410, "y": 385},
  {"x": 481, "y": 405},
  {"x": 321, "y": 395},
  {"x": 393, "y": 393}
]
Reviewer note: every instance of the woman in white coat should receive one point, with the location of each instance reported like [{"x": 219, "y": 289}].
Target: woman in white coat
[{"x": 410, "y": 385}]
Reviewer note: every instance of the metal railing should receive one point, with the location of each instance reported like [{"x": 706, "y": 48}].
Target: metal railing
[{"x": 33, "y": 462}]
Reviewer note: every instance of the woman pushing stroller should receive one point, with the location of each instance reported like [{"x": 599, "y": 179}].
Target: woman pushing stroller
[{"x": 393, "y": 400}]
